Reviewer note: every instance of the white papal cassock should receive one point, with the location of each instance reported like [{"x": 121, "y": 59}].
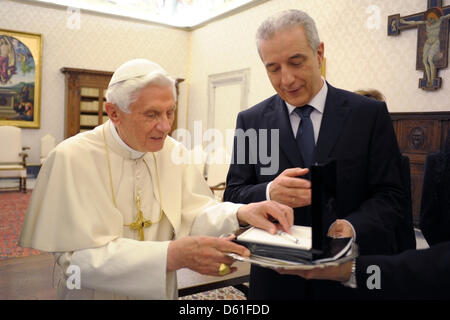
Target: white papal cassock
[{"x": 72, "y": 213}]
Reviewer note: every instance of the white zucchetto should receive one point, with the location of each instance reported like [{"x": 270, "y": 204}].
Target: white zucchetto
[{"x": 133, "y": 69}]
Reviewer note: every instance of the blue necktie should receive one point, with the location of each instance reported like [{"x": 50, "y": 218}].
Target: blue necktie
[{"x": 305, "y": 135}]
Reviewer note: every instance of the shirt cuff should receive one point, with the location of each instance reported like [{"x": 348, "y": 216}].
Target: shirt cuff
[{"x": 267, "y": 191}]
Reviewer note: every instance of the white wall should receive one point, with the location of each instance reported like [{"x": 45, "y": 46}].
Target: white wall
[
  {"x": 357, "y": 56},
  {"x": 359, "y": 53},
  {"x": 101, "y": 43}
]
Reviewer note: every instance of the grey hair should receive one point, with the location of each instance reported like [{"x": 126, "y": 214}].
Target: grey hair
[
  {"x": 126, "y": 92},
  {"x": 285, "y": 20}
]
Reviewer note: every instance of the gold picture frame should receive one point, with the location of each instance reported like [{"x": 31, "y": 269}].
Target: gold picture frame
[{"x": 20, "y": 78}]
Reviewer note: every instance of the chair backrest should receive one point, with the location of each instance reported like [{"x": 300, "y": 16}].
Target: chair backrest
[
  {"x": 10, "y": 144},
  {"x": 47, "y": 145}
]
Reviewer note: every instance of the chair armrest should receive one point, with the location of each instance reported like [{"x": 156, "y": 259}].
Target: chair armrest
[
  {"x": 219, "y": 186},
  {"x": 24, "y": 157}
]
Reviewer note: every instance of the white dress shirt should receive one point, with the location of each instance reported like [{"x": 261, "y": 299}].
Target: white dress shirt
[
  {"x": 134, "y": 153},
  {"x": 318, "y": 103}
]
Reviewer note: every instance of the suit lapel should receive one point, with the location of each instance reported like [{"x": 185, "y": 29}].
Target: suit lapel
[
  {"x": 333, "y": 120},
  {"x": 278, "y": 118}
]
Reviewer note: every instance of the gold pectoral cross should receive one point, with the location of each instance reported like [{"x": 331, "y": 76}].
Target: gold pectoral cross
[{"x": 140, "y": 222}]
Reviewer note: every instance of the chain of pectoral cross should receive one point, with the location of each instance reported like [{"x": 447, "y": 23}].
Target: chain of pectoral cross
[{"x": 140, "y": 223}]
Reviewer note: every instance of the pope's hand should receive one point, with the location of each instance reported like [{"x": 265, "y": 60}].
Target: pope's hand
[
  {"x": 290, "y": 190},
  {"x": 202, "y": 254},
  {"x": 340, "y": 273},
  {"x": 262, "y": 214}
]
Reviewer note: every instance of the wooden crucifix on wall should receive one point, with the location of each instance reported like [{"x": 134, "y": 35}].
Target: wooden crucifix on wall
[{"x": 432, "y": 40}]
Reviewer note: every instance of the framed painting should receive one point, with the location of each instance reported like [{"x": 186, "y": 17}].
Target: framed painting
[{"x": 20, "y": 78}]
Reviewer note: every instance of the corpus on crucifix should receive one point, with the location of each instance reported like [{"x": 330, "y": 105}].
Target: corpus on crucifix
[{"x": 432, "y": 44}]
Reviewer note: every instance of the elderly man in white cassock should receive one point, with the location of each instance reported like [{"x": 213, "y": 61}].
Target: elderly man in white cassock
[{"x": 113, "y": 201}]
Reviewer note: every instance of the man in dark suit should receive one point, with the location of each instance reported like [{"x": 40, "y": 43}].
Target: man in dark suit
[
  {"x": 413, "y": 274},
  {"x": 435, "y": 205},
  {"x": 355, "y": 130}
]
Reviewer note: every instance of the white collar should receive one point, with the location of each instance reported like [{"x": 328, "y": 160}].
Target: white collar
[
  {"x": 134, "y": 154},
  {"x": 318, "y": 102}
]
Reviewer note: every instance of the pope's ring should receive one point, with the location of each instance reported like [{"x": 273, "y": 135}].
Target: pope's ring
[{"x": 224, "y": 269}]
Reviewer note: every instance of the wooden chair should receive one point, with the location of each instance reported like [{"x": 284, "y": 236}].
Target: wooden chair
[
  {"x": 12, "y": 156},
  {"x": 218, "y": 163}
]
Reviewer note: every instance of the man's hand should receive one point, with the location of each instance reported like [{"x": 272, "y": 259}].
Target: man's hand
[
  {"x": 340, "y": 273},
  {"x": 262, "y": 214},
  {"x": 290, "y": 190},
  {"x": 341, "y": 229},
  {"x": 202, "y": 254}
]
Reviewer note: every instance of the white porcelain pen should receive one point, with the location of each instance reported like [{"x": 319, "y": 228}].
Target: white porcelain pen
[{"x": 288, "y": 236}]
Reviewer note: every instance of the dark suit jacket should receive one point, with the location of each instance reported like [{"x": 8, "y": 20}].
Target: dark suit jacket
[
  {"x": 358, "y": 133},
  {"x": 404, "y": 233},
  {"x": 435, "y": 205},
  {"x": 413, "y": 274}
]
